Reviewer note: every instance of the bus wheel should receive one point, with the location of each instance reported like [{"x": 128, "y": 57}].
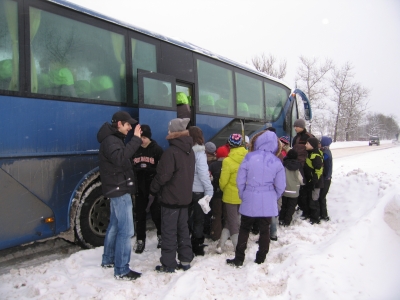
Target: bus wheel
[{"x": 92, "y": 218}]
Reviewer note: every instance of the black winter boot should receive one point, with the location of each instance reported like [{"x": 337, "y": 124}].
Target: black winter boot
[
  {"x": 198, "y": 246},
  {"x": 260, "y": 258}
]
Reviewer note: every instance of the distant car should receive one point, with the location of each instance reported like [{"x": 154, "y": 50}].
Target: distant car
[{"x": 374, "y": 140}]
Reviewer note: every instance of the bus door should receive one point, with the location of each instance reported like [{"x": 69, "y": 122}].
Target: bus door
[
  {"x": 299, "y": 107},
  {"x": 185, "y": 101},
  {"x": 157, "y": 103}
]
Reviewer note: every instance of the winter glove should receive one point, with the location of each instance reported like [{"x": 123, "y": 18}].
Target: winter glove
[
  {"x": 204, "y": 204},
  {"x": 151, "y": 199}
]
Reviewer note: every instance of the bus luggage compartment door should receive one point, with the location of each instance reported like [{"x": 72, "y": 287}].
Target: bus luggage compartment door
[{"x": 21, "y": 214}]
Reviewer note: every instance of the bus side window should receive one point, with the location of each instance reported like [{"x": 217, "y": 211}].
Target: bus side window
[
  {"x": 5, "y": 73},
  {"x": 207, "y": 104},
  {"x": 102, "y": 88}
]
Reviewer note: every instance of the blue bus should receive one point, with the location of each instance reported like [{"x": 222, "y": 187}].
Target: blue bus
[{"x": 64, "y": 71}]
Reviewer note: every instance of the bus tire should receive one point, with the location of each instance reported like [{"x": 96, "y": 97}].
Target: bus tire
[{"x": 92, "y": 218}]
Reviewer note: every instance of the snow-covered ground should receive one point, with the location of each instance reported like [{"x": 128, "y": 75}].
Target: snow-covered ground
[{"x": 354, "y": 256}]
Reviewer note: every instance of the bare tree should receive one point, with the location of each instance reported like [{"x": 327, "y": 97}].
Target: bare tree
[
  {"x": 311, "y": 77},
  {"x": 353, "y": 108},
  {"x": 266, "y": 64},
  {"x": 380, "y": 125},
  {"x": 341, "y": 85}
]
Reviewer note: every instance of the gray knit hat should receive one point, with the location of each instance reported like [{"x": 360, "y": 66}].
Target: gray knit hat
[
  {"x": 210, "y": 147},
  {"x": 299, "y": 123},
  {"x": 178, "y": 124}
]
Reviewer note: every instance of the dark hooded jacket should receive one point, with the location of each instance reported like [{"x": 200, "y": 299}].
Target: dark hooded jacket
[
  {"x": 328, "y": 164},
  {"x": 116, "y": 171},
  {"x": 299, "y": 144},
  {"x": 314, "y": 168},
  {"x": 175, "y": 172}
]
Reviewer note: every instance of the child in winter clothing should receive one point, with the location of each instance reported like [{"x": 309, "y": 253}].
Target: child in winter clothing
[
  {"x": 145, "y": 162},
  {"x": 313, "y": 169},
  {"x": 293, "y": 181},
  {"x": 216, "y": 201},
  {"x": 327, "y": 175},
  {"x": 201, "y": 187},
  {"x": 260, "y": 181},
  {"x": 174, "y": 180},
  {"x": 285, "y": 145},
  {"x": 227, "y": 183}
]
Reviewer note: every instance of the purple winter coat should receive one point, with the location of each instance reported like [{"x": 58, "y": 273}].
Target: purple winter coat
[{"x": 261, "y": 178}]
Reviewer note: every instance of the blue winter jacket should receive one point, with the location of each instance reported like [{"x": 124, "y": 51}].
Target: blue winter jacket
[
  {"x": 261, "y": 178},
  {"x": 328, "y": 164}
]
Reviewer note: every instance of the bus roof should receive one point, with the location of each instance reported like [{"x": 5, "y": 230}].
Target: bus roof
[{"x": 180, "y": 43}]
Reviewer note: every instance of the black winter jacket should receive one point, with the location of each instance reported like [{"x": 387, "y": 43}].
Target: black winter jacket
[
  {"x": 116, "y": 171},
  {"x": 311, "y": 178},
  {"x": 175, "y": 172}
]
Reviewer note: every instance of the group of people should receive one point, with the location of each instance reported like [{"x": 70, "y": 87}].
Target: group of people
[{"x": 193, "y": 189}]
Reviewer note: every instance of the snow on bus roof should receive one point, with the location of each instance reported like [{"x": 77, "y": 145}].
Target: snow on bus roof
[{"x": 176, "y": 41}]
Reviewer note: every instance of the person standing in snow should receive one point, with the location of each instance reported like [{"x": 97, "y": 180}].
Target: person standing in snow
[
  {"x": 299, "y": 144},
  {"x": 260, "y": 181},
  {"x": 201, "y": 187},
  {"x": 145, "y": 161},
  {"x": 327, "y": 176},
  {"x": 314, "y": 180},
  {"x": 217, "y": 204},
  {"x": 227, "y": 184},
  {"x": 294, "y": 180},
  {"x": 117, "y": 179},
  {"x": 174, "y": 180}
]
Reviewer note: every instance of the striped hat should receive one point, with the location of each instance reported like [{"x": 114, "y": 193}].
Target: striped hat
[
  {"x": 235, "y": 140},
  {"x": 284, "y": 139}
]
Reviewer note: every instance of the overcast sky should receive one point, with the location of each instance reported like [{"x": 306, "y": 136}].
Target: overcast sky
[{"x": 365, "y": 33}]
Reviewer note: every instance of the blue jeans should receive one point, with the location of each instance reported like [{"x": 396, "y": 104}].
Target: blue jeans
[
  {"x": 117, "y": 244},
  {"x": 272, "y": 228}
]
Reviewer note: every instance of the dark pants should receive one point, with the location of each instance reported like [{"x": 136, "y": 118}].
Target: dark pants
[
  {"x": 175, "y": 236},
  {"x": 141, "y": 202},
  {"x": 314, "y": 205},
  {"x": 303, "y": 200},
  {"x": 287, "y": 209},
  {"x": 196, "y": 216},
  {"x": 244, "y": 231},
  {"x": 322, "y": 198},
  {"x": 216, "y": 224}
]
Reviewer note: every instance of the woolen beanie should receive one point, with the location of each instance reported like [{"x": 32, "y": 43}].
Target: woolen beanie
[
  {"x": 326, "y": 141},
  {"x": 146, "y": 131},
  {"x": 176, "y": 125},
  {"x": 210, "y": 147},
  {"x": 222, "y": 151},
  {"x": 235, "y": 140},
  {"x": 299, "y": 123},
  {"x": 284, "y": 139},
  {"x": 313, "y": 142},
  {"x": 292, "y": 154}
]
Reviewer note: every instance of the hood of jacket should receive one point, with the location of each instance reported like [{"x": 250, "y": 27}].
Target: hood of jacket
[
  {"x": 237, "y": 154},
  {"x": 291, "y": 164},
  {"x": 181, "y": 140},
  {"x": 267, "y": 142},
  {"x": 326, "y": 141},
  {"x": 106, "y": 130},
  {"x": 199, "y": 148}
]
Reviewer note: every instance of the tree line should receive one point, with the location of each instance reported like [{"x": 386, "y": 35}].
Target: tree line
[{"x": 338, "y": 101}]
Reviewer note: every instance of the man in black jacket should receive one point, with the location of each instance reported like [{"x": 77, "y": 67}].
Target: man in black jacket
[
  {"x": 174, "y": 178},
  {"x": 145, "y": 161},
  {"x": 117, "y": 180}
]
